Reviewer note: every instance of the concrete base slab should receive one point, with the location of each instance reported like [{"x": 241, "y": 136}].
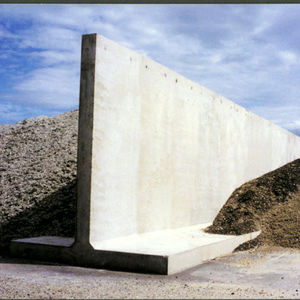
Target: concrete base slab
[
  {"x": 163, "y": 252},
  {"x": 58, "y": 241}
]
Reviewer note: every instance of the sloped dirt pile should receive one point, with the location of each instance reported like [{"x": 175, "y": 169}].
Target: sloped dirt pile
[
  {"x": 38, "y": 160},
  {"x": 270, "y": 203}
]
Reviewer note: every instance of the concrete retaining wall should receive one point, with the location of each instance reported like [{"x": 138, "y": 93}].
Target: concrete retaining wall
[{"x": 159, "y": 151}]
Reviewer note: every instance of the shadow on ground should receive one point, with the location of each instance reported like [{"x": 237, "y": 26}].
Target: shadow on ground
[{"x": 53, "y": 215}]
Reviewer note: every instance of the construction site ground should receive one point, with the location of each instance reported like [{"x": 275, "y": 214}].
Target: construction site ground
[{"x": 263, "y": 272}]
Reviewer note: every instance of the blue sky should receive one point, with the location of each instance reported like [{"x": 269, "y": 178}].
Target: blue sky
[{"x": 247, "y": 53}]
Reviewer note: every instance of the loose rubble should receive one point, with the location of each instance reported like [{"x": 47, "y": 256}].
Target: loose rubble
[{"x": 38, "y": 160}]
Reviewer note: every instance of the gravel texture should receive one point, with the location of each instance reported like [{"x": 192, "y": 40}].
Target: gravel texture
[
  {"x": 38, "y": 188},
  {"x": 38, "y": 197},
  {"x": 261, "y": 273},
  {"x": 38, "y": 159}
]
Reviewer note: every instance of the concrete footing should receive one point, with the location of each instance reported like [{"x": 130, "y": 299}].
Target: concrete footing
[
  {"x": 157, "y": 154},
  {"x": 164, "y": 252}
]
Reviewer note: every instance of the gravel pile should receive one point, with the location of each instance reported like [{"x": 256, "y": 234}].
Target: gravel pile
[
  {"x": 38, "y": 159},
  {"x": 38, "y": 189},
  {"x": 270, "y": 203}
]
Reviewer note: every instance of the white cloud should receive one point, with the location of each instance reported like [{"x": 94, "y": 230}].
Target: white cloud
[
  {"x": 286, "y": 116},
  {"x": 4, "y": 33},
  {"x": 13, "y": 112},
  {"x": 288, "y": 57},
  {"x": 46, "y": 37},
  {"x": 228, "y": 49},
  {"x": 9, "y": 113},
  {"x": 266, "y": 17},
  {"x": 51, "y": 87},
  {"x": 54, "y": 57},
  {"x": 294, "y": 125}
]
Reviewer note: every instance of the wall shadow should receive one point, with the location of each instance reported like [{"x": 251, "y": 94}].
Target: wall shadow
[{"x": 55, "y": 215}]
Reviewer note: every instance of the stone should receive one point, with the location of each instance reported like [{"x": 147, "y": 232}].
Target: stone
[{"x": 158, "y": 156}]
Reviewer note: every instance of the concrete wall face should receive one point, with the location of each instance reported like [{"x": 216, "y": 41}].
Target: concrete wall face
[{"x": 167, "y": 152}]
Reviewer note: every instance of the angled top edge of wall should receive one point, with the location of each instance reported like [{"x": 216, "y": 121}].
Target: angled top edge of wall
[{"x": 212, "y": 94}]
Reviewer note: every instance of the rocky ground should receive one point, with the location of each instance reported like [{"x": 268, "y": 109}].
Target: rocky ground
[
  {"x": 263, "y": 273},
  {"x": 38, "y": 197},
  {"x": 38, "y": 188},
  {"x": 38, "y": 159}
]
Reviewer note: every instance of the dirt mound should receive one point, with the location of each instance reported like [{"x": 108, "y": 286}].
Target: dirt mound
[
  {"x": 38, "y": 159},
  {"x": 270, "y": 203}
]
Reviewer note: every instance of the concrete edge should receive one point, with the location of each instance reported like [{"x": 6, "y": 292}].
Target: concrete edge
[
  {"x": 40, "y": 249},
  {"x": 78, "y": 255},
  {"x": 185, "y": 260}
]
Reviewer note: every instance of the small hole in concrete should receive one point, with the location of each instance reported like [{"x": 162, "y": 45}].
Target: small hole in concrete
[
  {"x": 165, "y": 74},
  {"x": 130, "y": 58},
  {"x": 176, "y": 80},
  {"x": 191, "y": 87},
  {"x": 146, "y": 67}
]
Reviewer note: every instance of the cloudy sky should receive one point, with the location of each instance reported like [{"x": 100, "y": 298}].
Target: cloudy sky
[{"x": 247, "y": 53}]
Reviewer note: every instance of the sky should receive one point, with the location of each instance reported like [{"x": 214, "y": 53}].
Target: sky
[{"x": 249, "y": 54}]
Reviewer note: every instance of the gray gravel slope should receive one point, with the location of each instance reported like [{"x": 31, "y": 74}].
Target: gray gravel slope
[{"x": 38, "y": 159}]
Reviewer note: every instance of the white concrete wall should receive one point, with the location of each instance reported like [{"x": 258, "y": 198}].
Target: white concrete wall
[{"x": 166, "y": 151}]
